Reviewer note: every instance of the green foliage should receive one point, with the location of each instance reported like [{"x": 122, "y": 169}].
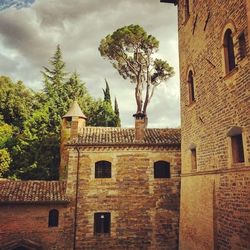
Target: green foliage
[
  {"x": 130, "y": 50},
  {"x": 16, "y": 102},
  {"x": 117, "y": 114},
  {"x": 106, "y": 93},
  {"x": 4, "y": 161},
  {"x": 30, "y": 122},
  {"x": 6, "y": 132}
]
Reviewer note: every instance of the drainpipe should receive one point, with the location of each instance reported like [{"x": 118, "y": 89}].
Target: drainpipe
[{"x": 76, "y": 197}]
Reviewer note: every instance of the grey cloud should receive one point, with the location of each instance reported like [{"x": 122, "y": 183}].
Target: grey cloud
[{"x": 79, "y": 25}]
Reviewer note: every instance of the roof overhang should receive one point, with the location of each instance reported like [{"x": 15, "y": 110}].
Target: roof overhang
[{"x": 175, "y": 2}]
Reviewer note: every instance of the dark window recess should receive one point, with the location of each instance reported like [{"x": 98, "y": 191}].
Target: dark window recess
[
  {"x": 191, "y": 87},
  {"x": 68, "y": 122},
  {"x": 53, "y": 218},
  {"x": 237, "y": 148},
  {"x": 20, "y": 248},
  {"x": 102, "y": 223},
  {"x": 161, "y": 169},
  {"x": 103, "y": 169},
  {"x": 187, "y": 9},
  {"x": 193, "y": 159},
  {"x": 242, "y": 45},
  {"x": 229, "y": 51}
]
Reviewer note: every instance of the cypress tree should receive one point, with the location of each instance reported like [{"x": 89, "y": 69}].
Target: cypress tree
[
  {"x": 106, "y": 93},
  {"x": 117, "y": 114}
]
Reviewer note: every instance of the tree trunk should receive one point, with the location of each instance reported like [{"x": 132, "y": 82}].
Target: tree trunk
[{"x": 138, "y": 96}]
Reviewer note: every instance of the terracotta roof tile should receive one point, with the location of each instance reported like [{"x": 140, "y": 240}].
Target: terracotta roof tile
[
  {"x": 32, "y": 191},
  {"x": 108, "y": 136}
]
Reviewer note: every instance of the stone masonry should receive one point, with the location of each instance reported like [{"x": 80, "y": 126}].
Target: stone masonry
[{"x": 215, "y": 193}]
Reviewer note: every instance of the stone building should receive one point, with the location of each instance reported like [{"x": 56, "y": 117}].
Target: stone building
[
  {"x": 32, "y": 215},
  {"x": 110, "y": 194},
  {"x": 119, "y": 189},
  {"x": 124, "y": 182},
  {"x": 214, "y": 47}
]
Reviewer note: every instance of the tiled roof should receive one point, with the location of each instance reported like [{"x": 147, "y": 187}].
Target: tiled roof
[
  {"x": 111, "y": 136},
  {"x": 32, "y": 191}
]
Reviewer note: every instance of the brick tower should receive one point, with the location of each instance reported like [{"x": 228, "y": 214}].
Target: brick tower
[
  {"x": 214, "y": 47},
  {"x": 72, "y": 124}
]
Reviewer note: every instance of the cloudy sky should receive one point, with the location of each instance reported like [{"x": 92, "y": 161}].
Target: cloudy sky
[{"x": 31, "y": 29}]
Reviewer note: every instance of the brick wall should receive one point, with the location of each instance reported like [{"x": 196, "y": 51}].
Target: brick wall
[
  {"x": 144, "y": 211},
  {"x": 222, "y": 102},
  {"x": 30, "y": 223}
]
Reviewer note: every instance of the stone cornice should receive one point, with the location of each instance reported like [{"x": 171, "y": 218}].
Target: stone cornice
[{"x": 124, "y": 147}]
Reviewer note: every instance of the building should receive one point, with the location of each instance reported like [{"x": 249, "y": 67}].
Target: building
[
  {"x": 214, "y": 47},
  {"x": 121, "y": 186},
  {"x": 33, "y": 215}
]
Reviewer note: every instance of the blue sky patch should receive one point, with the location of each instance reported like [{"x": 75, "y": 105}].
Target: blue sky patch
[{"x": 18, "y": 4}]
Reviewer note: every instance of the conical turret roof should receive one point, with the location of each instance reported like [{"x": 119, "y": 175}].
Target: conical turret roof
[{"x": 75, "y": 111}]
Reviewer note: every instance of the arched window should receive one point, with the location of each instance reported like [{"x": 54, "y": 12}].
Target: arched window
[
  {"x": 103, "y": 169},
  {"x": 191, "y": 87},
  {"x": 161, "y": 169},
  {"x": 53, "y": 218},
  {"x": 229, "y": 51}
]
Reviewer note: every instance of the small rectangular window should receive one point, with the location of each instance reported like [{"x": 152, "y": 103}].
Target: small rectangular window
[
  {"x": 68, "y": 122},
  {"x": 102, "y": 169},
  {"x": 102, "y": 223},
  {"x": 193, "y": 159},
  {"x": 237, "y": 148},
  {"x": 242, "y": 45},
  {"x": 161, "y": 169}
]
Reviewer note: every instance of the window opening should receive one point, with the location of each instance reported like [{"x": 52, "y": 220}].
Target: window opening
[
  {"x": 68, "y": 122},
  {"x": 187, "y": 10},
  {"x": 191, "y": 87},
  {"x": 102, "y": 223},
  {"x": 193, "y": 159},
  {"x": 237, "y": 148},
  {"x": 229, "y": 51},
  {"x": 242, "y": 45},
  {"x": 102, "y": 169},
  {"x": 53, "y": 218},
  {"x": 161, "y": 169}
]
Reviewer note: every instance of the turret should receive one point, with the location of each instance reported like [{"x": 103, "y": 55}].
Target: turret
[{"x": 72, "y": 124}]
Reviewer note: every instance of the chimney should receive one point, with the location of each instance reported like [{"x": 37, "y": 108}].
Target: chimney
[{"x": 141, "y": 122}]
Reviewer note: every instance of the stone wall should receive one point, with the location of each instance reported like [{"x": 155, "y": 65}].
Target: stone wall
[
  {"x": 215, "y": 211},
  {"x": 222, "y": 100},
  {"x": 144, "y": 211},
  {"x": 21, "y": 223},
  {"x": 214, "y": 197}
]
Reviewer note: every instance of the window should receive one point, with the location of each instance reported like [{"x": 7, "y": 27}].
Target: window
[
  {"x": 242, "y": 45},
  {"x": 161, "y": 169},
  {"x": 237, "y": 148},
  {"x": 103, "y": 169},
  {"x": 102, "y": 223},
  {"x": 53, "y": 218},
  {"x": 193, "y": 159},
  {"x": 229, "y": 51},
  {"x": 68, "y": 122},
  {"x": 187, "y": 9},
  {"x": 191, "y": 87}
]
